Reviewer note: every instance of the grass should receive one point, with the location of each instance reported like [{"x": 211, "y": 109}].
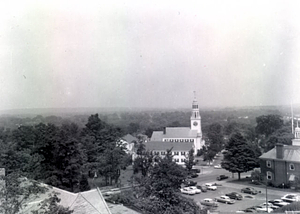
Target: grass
[{"x": 124, "y": 180}]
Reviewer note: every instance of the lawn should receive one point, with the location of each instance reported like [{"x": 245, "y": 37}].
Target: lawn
[{"x": 124, "y": 180}]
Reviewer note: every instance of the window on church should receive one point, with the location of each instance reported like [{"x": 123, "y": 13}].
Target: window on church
[
  {"x": 269, "y": 175},
  {"x": 171, "y": 140},
  {"x": 181, "y": 140},
  {"x": 186, "y": 140},
  {"x": 292, "y": 166},
  {"x": 269, "y": 164},
  {"x": 176, "y": 140}
]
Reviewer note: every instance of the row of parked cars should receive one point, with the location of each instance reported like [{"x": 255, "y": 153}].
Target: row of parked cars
[
  {"x": 272, "y": 204},
  {"x": 192, "y": 190},
  {"x": 229, "y": 198}
]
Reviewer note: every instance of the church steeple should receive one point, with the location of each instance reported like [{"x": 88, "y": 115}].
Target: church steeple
[
  {"x": 296, "y": 140},
  {"x": 195, "y": 117},
  {"x": 297, "y": 131}
]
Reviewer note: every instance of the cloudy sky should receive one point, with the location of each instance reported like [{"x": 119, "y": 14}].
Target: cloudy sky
[{"x": 138, "y": 54}]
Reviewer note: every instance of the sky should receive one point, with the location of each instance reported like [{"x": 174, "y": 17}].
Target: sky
[{"x": 148, "y": 54}]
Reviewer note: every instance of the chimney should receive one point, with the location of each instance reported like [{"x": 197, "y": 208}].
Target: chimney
[
  {"x": 164, "y": 130},
  {"x": 279, "y": 151}
]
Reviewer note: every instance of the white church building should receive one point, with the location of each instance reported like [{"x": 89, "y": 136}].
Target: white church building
[{"x": 180, "y": 139}]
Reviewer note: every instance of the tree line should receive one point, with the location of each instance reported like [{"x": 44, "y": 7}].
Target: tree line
[{"x": 64, "y": 156}]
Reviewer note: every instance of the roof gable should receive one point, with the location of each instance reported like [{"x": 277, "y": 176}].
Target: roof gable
[
  {"x": 180, "y": 132},
  {"x": 290, "y": 153},
  {"x": 174, "y": 132},
  {"x": 91, "y": 201},
  {"x": 129, "y": 138}
]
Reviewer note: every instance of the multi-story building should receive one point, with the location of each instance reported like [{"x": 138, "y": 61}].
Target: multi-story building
[
  {"x": 281, "y": 165},
  {"x": 180, "y": 139}
]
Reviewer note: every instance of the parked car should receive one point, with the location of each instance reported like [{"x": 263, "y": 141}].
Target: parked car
[
  {"x": 252, "y": 209},
  {"x": 195, "y": 170},
  {"x": 222, "y": 177},
  {"x": 224, "y": 199},
  {"x": 264, "y": 209},
  {"x": 291, "y": 197},
  {"x": 234, "y": 195},
  {"x": 193, "y": 175},
  {"x": 272, "y": 206},
  {"x": 255, "y": 182},
  {"x": 218, "y": 166},
  {"x": 210, "y": 186},
  {"x": 209, "y": 202},
  {"x": 190, "y": 183},
  {"x": 248, "y": 210},
  {"x": 187, "y": 191},
  {"x": 197, "y": 191},
  {"x": 278, "y": 202},
  {"x": 202, "y": 188},
  {"x": 249, "y": 190}
]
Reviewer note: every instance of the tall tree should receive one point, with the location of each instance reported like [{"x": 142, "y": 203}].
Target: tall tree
[
  {"x": 282, "y": 136},
  {"x": 165, "y": 178},
  {"x": 239, "y": 156},
  {"x": 215, "y": 137},
  {"x": 159, "y": 192},
  {"x": 190, "y": 161},
  {"x": 267, "y": 124},
  {"x": 208, "y": 154},
  {"x": 144, "y": 160},
  {"x": 105, "y": 153}
]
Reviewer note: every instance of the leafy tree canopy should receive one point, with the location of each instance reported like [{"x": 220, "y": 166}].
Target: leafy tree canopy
[
  {"x": 239, "y": 156},
  {"x": 267, "y": 124},
  {"x": 190, "y": 161}
]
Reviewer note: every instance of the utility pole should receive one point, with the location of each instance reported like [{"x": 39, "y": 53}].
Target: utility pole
[
  {"x": 292, "y": 117},
  {"x": 267, "y": 197}
]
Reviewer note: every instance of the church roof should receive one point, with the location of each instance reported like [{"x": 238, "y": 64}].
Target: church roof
[
  {"x": 174, "y": 132},
  {"x": 164, "y": 145},
  {"x": 129, "y": 138},
  {"x": 290, "y": 154}
]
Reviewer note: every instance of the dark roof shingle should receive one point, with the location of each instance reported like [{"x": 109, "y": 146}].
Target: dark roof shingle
[{"x": 290, "y": 153}]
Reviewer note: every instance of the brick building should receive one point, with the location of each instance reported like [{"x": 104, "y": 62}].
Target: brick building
[{"x": 281, "y": 165}]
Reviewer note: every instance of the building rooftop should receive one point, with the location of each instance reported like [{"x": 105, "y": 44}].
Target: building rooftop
[
  {"x": 174, "y": 132},
  {"x": 91, "y": 201},
  {"x": 163, "y": 146},
  {"x": 290, "y": 153},
  {"x": 129, "y": 138}
]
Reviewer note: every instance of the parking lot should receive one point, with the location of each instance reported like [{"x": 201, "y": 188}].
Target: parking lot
[
  {"x": 247, "y": 201},
  {"x": 209, "y": 175}
]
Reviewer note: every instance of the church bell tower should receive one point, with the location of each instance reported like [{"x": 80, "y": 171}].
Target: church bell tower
[{"x": 196, "y": 118}]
